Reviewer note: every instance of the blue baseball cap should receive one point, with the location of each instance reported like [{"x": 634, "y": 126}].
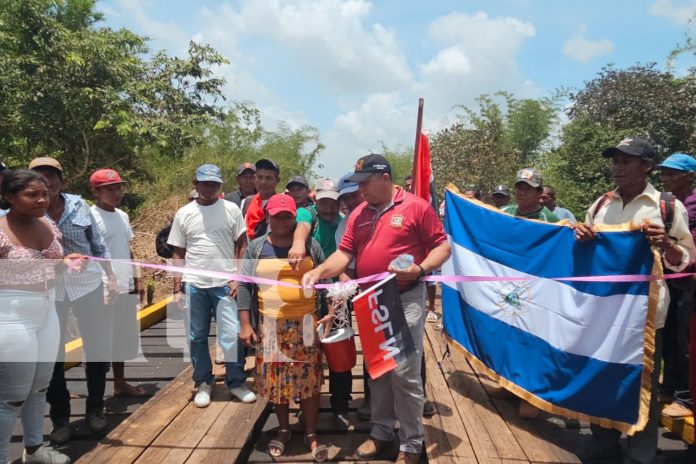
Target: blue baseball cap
[
  {"x": 209, "y": 173},
  {"x": 680, "y": 162},
  {"x": 346, "y": 186}
]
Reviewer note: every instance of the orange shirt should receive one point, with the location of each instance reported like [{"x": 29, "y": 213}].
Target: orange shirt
[{"x": 284, "y": 302}]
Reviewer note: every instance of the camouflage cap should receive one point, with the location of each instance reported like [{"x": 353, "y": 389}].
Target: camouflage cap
[{"x": 529, "y": 176}]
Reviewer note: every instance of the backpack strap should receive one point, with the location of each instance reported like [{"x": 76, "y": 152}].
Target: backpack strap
[
  {"x": 667, "y": 202},
  {"x": 315, "y": 220},
  {"x": 603, "y": 199},
  {"x": 246, "y": 202}
]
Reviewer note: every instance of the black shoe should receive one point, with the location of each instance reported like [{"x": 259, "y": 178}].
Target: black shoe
[
  {"x": 341, "y": 421},
  {"x": 428, "y": 409},
  {"x": 96, "y": 422},
  {"x": 60, "y": 434},
  {"x": 364, "y": 410}
]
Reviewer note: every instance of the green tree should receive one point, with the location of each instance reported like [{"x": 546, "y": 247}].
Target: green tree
[
  {"x": 576, "y": 168},
  {"x": 618, "y": 103},
  {"x": 401, "y": 161},
  {"x": 89, "y": 96},
  {"x": 489, "y": 143},
  {"x": 643, "y": 101}
]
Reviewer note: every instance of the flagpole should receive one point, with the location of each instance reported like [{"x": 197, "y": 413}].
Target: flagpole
[{"x": 416, "y": 146}]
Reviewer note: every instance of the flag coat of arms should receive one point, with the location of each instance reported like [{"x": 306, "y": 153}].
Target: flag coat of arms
[
  {"x": 384, "y": 334},
  {"x": 576, "y": 348}
]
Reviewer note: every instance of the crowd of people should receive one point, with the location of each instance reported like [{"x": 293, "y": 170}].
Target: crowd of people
[{"x": 336, "y": 232}]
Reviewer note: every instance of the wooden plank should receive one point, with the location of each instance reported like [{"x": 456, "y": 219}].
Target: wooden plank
[
  {"x": 490, "y": 437},
  {"x": 181, "y": 437},
  {"x": 226, "y": 438},
  {"x": 535, "y": 437},
  {"x": 147, "y": 317},
  {"x": 128, "y": 441},
  {"x": 341, "y": 448},
  {"x": 447, "y": 440},
  {"x": 683, "y": 427}
]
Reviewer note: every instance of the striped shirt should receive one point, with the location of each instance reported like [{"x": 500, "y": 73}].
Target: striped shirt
[{"x": 80, "y": 235}]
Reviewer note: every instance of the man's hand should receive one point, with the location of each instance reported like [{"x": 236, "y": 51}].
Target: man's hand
[
  {"x": 310, "y": 278},
  {"x": 247, "y": 335},
  {"x": 583, "y": 232},
  {"x": 656, "y": 235},
  {"x": 411, "y": 273},
  {"x": 111, "y": 289},
  {"x": 75, "y": 262},
  {"x": 297, "y": 253},
  {"x": 179, "y": 298},
  {"x": 233, "y": 288}
]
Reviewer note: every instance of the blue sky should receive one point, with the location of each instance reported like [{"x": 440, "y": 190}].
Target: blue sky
[{"x": 355, "y": 69}]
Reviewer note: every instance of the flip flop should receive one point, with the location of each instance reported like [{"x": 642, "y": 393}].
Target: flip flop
[
  {"x": 134, "y": 391},
  {"x": 321, "y": 452},
  {"x": 677, "y": 410},
  {"x": 278, "y": 445}
]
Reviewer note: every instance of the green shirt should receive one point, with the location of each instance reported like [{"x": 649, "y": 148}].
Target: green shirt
[
  {"x": 542, "y": 214},
  {"x": 324, "y": 232}
]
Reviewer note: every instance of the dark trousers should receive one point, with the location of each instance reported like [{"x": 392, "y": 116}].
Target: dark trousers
[
  {"x": 675, "y": 349},
  {"x": 340, "y": 388},
  {"x": 642, "y": 446},
  {"x": 58, "y": 395}
]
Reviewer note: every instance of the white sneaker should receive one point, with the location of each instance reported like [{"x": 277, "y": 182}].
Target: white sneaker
[
  {"x": 243, "y": 394},
  {"x": 45, "y": 455},
  {"x": 202, "y": 398}
]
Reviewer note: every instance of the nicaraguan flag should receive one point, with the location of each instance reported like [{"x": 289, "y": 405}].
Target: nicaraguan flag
[{"x": 572, "y": 348}]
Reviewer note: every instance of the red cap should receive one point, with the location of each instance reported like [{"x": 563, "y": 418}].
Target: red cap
[
  {"x": 279, "y": 203},
  {"x": 104, "y": 177}
]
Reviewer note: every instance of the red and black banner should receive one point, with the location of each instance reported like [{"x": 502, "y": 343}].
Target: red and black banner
[{"x": 386, "y": 340}]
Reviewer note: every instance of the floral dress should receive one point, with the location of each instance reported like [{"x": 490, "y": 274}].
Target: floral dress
[{"x": 288, "y": 356}]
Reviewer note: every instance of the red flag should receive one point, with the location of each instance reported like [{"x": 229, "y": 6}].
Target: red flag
[
  {"x": 386, "y": 339},
  {"x": 422, "y": 171}
]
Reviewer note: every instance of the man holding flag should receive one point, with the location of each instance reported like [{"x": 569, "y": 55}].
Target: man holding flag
[
  {"x": 390, "y": 223},
  {"x": 638, "y": 202}
]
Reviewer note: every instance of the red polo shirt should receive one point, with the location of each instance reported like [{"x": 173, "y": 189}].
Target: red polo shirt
[{"x": 409, "y": 225}]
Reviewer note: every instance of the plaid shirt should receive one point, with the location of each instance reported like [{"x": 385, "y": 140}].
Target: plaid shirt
[{"x": 80, "y": 235}]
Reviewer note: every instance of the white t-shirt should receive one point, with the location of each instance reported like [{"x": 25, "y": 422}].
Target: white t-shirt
[
  {"x": 208, "y": 233},
  {"x": 115, "y": 229}
]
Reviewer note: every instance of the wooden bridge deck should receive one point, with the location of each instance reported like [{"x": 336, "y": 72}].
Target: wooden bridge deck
[
  {"x": 474, "y": 423},
  {"x": 471, "y": 425}
]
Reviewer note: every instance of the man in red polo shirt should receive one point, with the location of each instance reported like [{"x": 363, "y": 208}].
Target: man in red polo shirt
[{"x": 389, "y": 223}]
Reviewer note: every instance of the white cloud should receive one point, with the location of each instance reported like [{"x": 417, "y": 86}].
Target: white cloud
[
  {"x": 582, "y": 49},
  {"x": 168, "y": 33},
  {"x": 329, "y": 40},
  {"x": 478, "y": 55},
  {"x": 352, "y": 72},
  {"x": 451, "y": 60},
  {"x": 679, "y": 14}
]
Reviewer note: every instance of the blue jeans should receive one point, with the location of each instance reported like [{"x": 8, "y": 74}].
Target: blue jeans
[{"x": 201, "y": 305}]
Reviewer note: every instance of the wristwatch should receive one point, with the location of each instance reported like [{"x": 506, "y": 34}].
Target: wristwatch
[{"x": 422, "y": 271}]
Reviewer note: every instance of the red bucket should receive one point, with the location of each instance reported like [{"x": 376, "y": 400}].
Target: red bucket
[{"x": 339, "y": 348}]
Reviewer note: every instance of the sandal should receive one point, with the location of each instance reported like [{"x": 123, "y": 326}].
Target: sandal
[
  {"x": 131, "y": 390},
  {"x": 321, "y": 452},
  {"x": 431, "y": 316},
  {"x": 275, "y": 447}
]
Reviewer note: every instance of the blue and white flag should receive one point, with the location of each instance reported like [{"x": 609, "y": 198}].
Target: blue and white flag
[{"x": 570, "y": 348}]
